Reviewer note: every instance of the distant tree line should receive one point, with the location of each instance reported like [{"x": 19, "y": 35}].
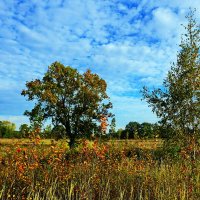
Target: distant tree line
[
  {"x": 8, "y": 130},
  {"x": 145, "y": 130},
  {"x": 133, "y": 130}
]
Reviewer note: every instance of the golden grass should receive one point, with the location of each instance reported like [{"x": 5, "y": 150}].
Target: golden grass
[
  {"x": 143, "y": 144},
  {"x": 24, "y": 141},
  {"x": 138, "y": 143},
  {"x": 113, "y": 170}
]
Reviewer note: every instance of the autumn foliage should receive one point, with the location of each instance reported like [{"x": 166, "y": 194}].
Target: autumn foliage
[
  {"x": 72, "y": 100},
  {"x": 94, "y": 170}
]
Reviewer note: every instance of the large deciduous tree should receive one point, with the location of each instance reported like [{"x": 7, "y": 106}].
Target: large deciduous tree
[
  {"x": 178, "y": 102},
  {"x": 70, "y": 99}
]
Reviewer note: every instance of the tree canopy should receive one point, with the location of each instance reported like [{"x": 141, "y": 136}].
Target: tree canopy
[{"x": 70, "y": 99}]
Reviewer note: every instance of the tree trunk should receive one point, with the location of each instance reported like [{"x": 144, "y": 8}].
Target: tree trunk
[
  {"x": 71, "y": 141},
  {"x": 71, "y": 136}
]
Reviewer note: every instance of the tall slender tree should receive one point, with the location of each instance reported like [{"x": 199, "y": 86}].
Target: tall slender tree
[
  {"x": 178, "y": 103},
  {"x": 112, "y": 130}
]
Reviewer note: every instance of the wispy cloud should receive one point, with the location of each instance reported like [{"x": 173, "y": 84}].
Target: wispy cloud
[{"x": 128, "y": 43}]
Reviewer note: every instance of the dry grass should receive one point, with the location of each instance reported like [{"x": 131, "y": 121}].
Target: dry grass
[
  {"x": 14, "y": 141},
  {"x": 110, "y": 171},
  {"x": 143, "y": 144},
  {"x": 138, "y": 143}
]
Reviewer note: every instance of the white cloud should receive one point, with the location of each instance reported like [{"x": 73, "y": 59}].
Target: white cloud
[
  {"x": 128, "y": 43},
  {"x": 165, "y": 25}
]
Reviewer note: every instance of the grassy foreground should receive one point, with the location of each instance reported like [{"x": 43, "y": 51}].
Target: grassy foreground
[{"x": 112, "y": 170}]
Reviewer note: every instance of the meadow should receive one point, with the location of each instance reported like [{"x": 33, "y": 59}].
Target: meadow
[{"x": 46, "y": 169}]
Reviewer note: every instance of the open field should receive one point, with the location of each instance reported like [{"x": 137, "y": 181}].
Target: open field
[
  {"x": 5, "y": 141},
  {"x": 112, "y": 170},
  {"x": 143, "y": 144}
]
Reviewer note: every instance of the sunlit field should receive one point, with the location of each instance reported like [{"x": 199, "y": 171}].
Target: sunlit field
[
  {"x": 25, "y": 142},
  {"x": 47, "y": 169},
  {"x": 144, "y": 144},
  {"x": 112, "y": 79}
]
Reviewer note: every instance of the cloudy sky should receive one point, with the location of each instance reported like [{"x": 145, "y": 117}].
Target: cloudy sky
[{"x": 129, "y": 43}]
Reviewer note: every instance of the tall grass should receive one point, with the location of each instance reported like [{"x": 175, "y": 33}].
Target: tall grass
[{"x": 95, "y": 171}]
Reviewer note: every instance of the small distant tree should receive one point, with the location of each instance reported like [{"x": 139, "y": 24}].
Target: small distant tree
[
  {"x": 72, "y": 100},
  {"x": 133, "y": 129},
  {"x": 118, "y": 133},
  {"x": 7, "y": 129},
  {"x": 124, "y": 134},
  {"x": 58, "y": 132},
  {"x": 24, "y": 130},
  {"x": 146, "y": 130},
  {"x": 47, "y": 132},
  {"x": 112, "y": 129},
  {"x": 177, "y": 104}
]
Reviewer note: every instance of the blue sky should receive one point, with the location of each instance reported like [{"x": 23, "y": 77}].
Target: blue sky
[{"x": 129, "y": 43}]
